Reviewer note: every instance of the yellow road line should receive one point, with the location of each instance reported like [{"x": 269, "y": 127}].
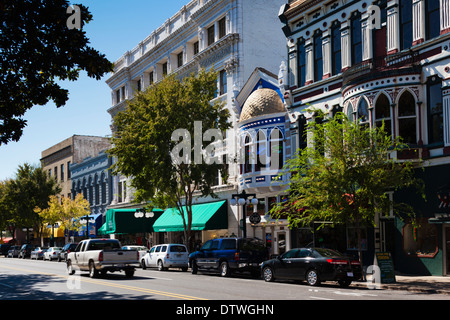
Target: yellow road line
[{"x": 120, "y": 286}]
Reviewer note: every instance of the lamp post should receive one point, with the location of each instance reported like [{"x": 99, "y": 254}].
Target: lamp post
[
  {"x": 85, "y": 220},
  {"x": 141, "y": 213},
  {"x": 242, "y": 199}
]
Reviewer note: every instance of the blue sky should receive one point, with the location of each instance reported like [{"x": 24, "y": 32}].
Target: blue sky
[{"x": 117, "y": 26}]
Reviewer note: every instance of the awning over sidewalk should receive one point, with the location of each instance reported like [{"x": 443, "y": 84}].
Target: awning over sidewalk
[
  {"x": 123, "y": 221},
  {"x": 205, "y": 216}
]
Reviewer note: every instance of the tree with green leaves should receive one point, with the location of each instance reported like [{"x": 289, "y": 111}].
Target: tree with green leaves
[
  {"x": 66, "y": 212},
  {"x": 39, "y": 46},
  {"x": 145, "y": 143},
  {"x": 30, "y": 188},
  {"x": 343, "y": 176}
]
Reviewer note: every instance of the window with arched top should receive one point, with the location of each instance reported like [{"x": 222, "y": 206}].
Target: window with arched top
[
  {"x": 276, "y": 150},
  {"x": 350, "y": 112},
  {"x": 383, "y": 113},
  {"x": 261, "y": 150},
  {"x": 363, "y": 112},
  {"x": 407, "y": 119},
  {"x": 247, "y": 154}
]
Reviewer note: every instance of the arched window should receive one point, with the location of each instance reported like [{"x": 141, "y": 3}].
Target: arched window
[
  {"x": 363, "y": 112},
  {"x": 247, "y": 154},
  {"x": 276, "y": 149},
  {"x": 383, "y": 113},
  {"x": 350, "y": 112},
  {"x": 407, "y": 126},
  {"x": 261, "y": 150}
]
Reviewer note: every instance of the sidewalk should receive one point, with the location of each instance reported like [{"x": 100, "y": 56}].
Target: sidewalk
[{"x": 422, "y": 284}]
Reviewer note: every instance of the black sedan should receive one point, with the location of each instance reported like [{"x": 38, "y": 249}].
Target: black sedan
[{"x": 313, "y": 265}]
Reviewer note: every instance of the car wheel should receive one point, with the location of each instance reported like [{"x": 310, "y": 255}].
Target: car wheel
[
  {"x": 92, "y": 271},
  {"x": 161, "y": 266},
  {"x": 268, "y": 274},
  {"x": 194, "y": 268},
  {"x": 70, "y": 269},
  {"x": 224, "y": 269},
  {"x": 143, "y": 264},
  {"x": 129, "y": 273},
  {"x": 312, "y": 277},
  {"x": 344, "y": 283}
]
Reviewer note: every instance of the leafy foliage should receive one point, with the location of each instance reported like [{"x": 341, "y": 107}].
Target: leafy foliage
[
  {"x": 142, "y": 140},
  {"x": 344, "y": 174},
  {"x": 37, "y": 48}
]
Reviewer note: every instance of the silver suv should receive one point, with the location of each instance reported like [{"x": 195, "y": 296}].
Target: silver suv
[{"x": 164, "y": 256}]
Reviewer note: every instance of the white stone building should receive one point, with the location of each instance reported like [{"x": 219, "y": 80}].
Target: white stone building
[{"x": 233, "y": 36}]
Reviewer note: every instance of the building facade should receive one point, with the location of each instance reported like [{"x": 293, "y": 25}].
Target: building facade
[
  {"x": 382, "y": 61},
  {"x": 221, "y": 34},
  {"x": 58, "y": 160},
  {"x": 92, "y": 178}
]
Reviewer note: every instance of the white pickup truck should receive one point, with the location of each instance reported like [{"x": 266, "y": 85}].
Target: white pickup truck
[{"x": 102, "y": 255}]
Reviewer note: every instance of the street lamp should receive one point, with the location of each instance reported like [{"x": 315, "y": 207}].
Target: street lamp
[
  {"x": 84, "y": 220},
  {"x": 141, "y": 213},
  {"x": 242, "y": 199}
]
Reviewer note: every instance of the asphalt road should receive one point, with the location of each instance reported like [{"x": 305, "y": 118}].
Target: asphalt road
[{"x": 44, "y": 280}]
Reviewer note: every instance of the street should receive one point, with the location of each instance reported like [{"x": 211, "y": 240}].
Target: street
[{"x": 25, "y": 279}]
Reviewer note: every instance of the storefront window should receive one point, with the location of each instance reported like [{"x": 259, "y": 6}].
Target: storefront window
[{"x": 421, "y": 241}]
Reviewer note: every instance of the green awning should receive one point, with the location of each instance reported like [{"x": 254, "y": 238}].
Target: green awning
[
  {"x": 123, "y": 221},
  {"x": 205, "y": 216}
]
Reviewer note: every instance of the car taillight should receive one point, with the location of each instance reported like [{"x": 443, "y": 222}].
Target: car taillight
[
  {"x": 236, "y": 256},
  {"x": 100, "y": 256},
  {"x": 337, "y": 261},
  {"x": 355, "y": 263},
  {"x": 168, "y": 256}
]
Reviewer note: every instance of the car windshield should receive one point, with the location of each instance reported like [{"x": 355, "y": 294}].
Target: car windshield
[
  {"x": 328, "y": 252},
  {"x": 177, "y": 249}
]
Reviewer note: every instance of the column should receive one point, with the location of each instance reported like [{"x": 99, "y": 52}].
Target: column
[
  {"x": 366, "y": 34},
  {"x": 309, "y": 62},
  {"x": 418, "y": 21},
  {"x": 393, "y": 30},
  {"x": 345, "y": 46},
  {"x": 446, "y": 120},
  {"x": 292, "y": 80},
  {"x": 326, "y": 54}
]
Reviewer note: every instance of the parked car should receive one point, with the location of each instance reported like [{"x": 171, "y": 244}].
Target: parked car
[
  {"x": 13, "y": 252},
  {"x": 4, "y": 248},
  {"x": 65, "y": 250},
  {"x": 38, "y": 253},
  {"x": 52, "y": 253},
  {"x": 227, "y": 255},
  {"x": 25, "y": 251},
  {"x": 102, "y": 255},
  {"x": 141, "y": 249},
  {"x": 164, "y": 256},
  {"x": 314, "y": 265}
]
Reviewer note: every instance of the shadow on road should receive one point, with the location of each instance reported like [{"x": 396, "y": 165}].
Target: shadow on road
[{"x": 35, "y": 287}]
